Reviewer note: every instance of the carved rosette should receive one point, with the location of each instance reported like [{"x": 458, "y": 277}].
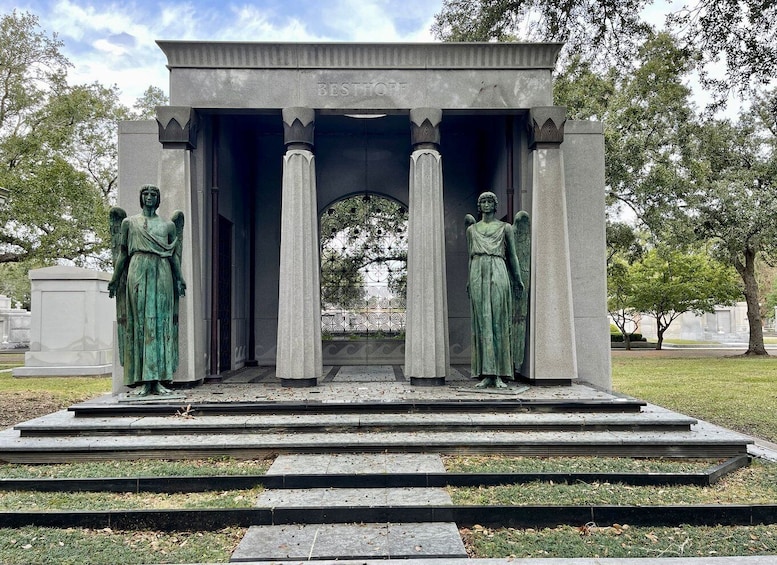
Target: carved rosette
[
  {"x": 546, "y": 126},
  {"x": 425, "y": 128},
  {"x": 298, "y": 127},
  {"x": 177, "y": 127}
]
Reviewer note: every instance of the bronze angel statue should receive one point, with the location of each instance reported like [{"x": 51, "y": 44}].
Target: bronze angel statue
[
  {"x": 496, "y": 292},
  {"x": 147, "y": 283}
]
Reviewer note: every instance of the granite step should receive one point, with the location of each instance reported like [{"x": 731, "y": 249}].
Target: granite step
[
  {"x": 351, "y": 541},
  {"x": 66, "y": 423},
  {"x": 438, "y": 540},
  {"x": 702, "y": 441},
  {"x": 488, "y": 403}
]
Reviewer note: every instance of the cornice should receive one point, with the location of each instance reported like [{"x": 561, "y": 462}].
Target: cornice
[{"x": 452, "y": 56}]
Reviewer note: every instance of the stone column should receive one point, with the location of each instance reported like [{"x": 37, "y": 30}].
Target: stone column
[
  {"x": 427, "y": 355},
  {"x": 178, "y": 136},
  {"x": 298, "y": 361},
  {"x": 553, "y": 357}
]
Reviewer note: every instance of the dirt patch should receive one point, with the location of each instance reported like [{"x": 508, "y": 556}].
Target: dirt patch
[{"x": 18, "y": 407}]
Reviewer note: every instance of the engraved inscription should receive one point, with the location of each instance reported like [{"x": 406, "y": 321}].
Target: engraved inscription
[{"x": 377, "y": 88}]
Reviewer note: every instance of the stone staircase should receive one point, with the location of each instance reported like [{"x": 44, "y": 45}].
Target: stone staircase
[
  {"x": 362, "y": 425},
  {"x": 380, "y": 413}
]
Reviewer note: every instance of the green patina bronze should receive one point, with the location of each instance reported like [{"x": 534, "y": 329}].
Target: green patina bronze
[
  {"x": 495, "y": 286},
  {"x": 147, "y": 282}
]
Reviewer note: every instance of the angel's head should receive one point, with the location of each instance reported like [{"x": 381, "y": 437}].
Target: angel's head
[
  {"x": 150, "y": 190},
  {"x": 487, "y": 196}
]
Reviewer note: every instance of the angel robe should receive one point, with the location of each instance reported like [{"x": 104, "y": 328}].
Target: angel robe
[
  {"x": 151, "y": 331},
  {"x": 492, "y": 298}
]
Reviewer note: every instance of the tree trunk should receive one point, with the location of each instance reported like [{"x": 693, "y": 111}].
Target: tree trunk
[
  {"x": 627, "y": 341},
  {"x": 660, "y": 333},
  {"x": 747, "y": 272}
]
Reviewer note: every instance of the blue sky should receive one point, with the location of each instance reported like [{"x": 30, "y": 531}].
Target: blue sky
[{"x": 113, "y": 42}]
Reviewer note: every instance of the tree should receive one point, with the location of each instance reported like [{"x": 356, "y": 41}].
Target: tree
[
  {"x": 58, "y": 154},
  {"x": 624, "y": 247},
  {"x": 740, "y": 33},
  {"x": 362, "y": 237},
  {"x": 599, "y": 29},
  {"x": 619, "y": 297},
  {"x": 145, "y": 107},
  {"x": 736, "y": 198},
  {"x": 52, "y": 209},
  {"x": 648, "y": 122},
  {"x": 666, "y": 283}
]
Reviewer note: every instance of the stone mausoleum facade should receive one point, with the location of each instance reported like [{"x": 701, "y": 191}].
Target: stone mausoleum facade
[{"x": 260, "y": 138}]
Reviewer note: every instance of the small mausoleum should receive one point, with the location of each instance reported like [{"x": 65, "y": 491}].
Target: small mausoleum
[{"x": 262, "y": 139}]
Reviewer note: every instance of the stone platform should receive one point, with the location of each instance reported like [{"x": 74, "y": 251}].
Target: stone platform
[{"x": 366, "y": 410}]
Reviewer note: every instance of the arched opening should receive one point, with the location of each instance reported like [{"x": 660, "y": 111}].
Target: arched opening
[{"x": 363, "y": 268}]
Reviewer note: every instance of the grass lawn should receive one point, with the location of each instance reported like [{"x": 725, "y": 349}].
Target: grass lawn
[
  {"x": 738, "y": 392},
  {"x": 29, "y": 397},
  {"x": 621, "y": 541},
  {"x": 78, "y": 546}
]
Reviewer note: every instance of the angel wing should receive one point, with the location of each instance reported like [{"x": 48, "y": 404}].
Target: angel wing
[
  {"x": 522, "y": 231},
  {"x": 469, "y": 219},
  {"x": 522, "y": 234},
  {"x": 116, "y": 217},
  {"x": 178, "y": 220}
]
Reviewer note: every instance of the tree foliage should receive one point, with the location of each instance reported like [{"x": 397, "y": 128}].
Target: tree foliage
[
  {"x": 145, "y": 106},
  {"x": 668, "y": 282},
  {"x": 363, "y": 239},
  {"x": 600, "y": 29},
  {"x": 735, "y": 197},
  {"x": 58, "y": 154},
  {"x": 737, "y": 33},
  {"x": 647, "y": 116}
]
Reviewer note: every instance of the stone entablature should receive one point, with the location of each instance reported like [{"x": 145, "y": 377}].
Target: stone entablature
[
  {"x": 383, "y": 77},
  {"x": 425, "y": 56}
]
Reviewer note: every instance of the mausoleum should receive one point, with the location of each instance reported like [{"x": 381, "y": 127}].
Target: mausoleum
[{"x": 261, "y": 139}]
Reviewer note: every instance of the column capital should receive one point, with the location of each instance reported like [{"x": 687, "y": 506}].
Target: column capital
[
  {"x": 425, "y": 128},
  {"x": 177, "y": 127},
  {"x": 546, "y": 126},
  {"x": 299, "y": 123}
]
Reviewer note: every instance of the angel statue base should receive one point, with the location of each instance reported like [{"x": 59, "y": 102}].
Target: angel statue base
[
  {"x": 496, "y": 293},
  {"x": 147, "y": 283}
]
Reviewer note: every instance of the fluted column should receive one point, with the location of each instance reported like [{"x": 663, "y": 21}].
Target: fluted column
[
  {"x": 178, "y": 136},
  {"x": 427, "y": 355},
  {"x": 299, "y": 305},
  {"x": 553, "y": 358}
]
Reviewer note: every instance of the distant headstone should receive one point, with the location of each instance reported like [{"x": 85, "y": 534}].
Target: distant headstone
[{"x": 70, "y": 325}]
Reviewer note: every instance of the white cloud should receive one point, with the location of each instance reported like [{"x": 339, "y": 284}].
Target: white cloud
[{"x": 114, "y": 42}]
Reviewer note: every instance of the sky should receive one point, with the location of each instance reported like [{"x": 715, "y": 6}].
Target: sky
[{"x": 114, "y": 42}]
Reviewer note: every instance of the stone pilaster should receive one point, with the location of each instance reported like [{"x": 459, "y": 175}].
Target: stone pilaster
[
  {"x": 299, "y": 361},
  {"x": 552, "y": 354},
  {"x": 178, "y": 136},
  {"x": 427, "y": 355}
]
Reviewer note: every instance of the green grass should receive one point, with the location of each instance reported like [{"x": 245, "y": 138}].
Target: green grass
[
  {"x": 500, "y": 464},
  {"x": 68, "y": 389},
  {"x": 28, "y": 501},
  {"x": 140, "y": 468},
  {"x": 756, "y": 484},
  {"x": 76, "y": 546},
  {"x": 739, "y": 393},
  {"x": 621, "y": 541},
  {"x": 677, "y": 341}
]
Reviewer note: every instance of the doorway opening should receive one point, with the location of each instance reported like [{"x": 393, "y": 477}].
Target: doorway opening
[{"x": 363, "y": 268}]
